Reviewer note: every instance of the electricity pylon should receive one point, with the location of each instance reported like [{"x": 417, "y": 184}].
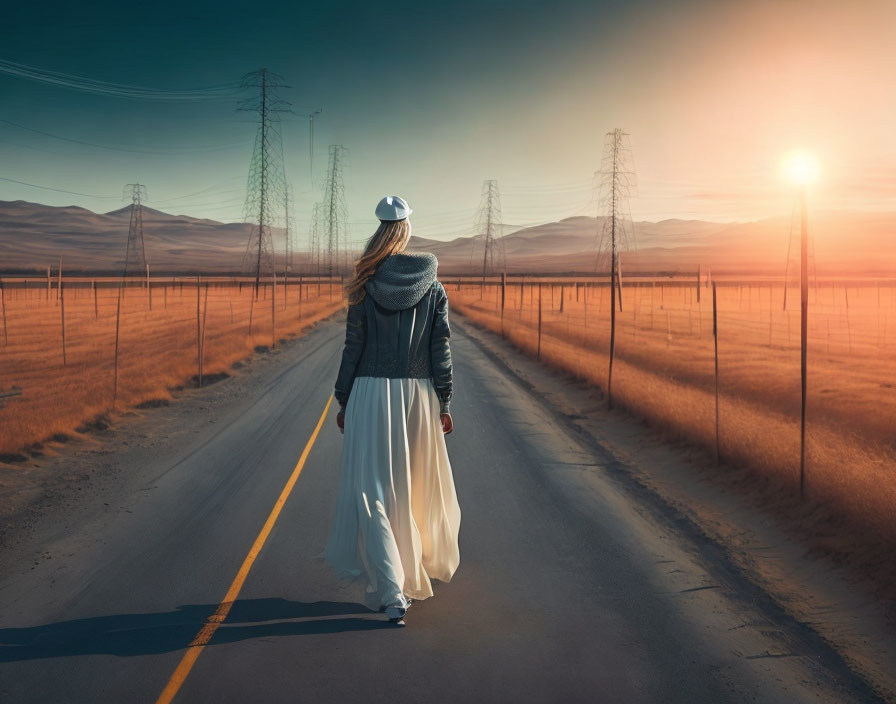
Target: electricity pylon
[
  {"x": 266, "y": 185},
  {"x": 334, "y": 211},
  {"x": 290, "y": 227},
  {"x": 617, "y": 179},
  {"x": 314, "y": 241},
  {"x": 135, "y": 252},
  {"x": 488, "y": 230}
]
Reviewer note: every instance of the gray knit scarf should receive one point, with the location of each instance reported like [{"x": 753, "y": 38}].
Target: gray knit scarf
[{"x": 401, "y": 280}]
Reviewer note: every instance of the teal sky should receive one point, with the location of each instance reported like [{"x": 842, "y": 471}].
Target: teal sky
[{"x": 430, "y": 99}]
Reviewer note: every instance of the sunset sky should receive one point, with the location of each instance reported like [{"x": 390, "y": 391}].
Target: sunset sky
[{"x": 432, "y": 98}]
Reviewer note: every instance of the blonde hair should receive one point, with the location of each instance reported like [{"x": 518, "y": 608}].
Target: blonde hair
[{"x": 391, "y": 237}]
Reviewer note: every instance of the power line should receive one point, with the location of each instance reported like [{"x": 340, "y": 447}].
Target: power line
[
  {"x": 166, "y": 151},
  {"x": 236, "y": 201},
  {"x": 204, "y": 191},
  {"x": 57, "y": 190},
  {"x": 222, "y": 91}
]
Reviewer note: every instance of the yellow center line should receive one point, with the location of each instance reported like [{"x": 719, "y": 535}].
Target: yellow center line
[{"x": 216, "y": 619}]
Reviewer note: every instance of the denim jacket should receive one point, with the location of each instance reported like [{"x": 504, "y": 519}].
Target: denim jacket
[{"x": 400, "y": 328}]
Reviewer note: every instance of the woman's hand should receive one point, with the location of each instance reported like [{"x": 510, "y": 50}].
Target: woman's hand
[
  {"x": 447, "y": 423},
  {"x": 340, "y": 419}
]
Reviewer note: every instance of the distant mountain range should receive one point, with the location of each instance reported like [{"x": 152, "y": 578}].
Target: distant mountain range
[{"x": 33, "y": 236}]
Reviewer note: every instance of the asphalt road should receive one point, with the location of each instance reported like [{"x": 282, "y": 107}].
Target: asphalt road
[{"x": 568, "y": 590}]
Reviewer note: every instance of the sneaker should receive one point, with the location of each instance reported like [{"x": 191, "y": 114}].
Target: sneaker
[{"x": 395, "y": 613}]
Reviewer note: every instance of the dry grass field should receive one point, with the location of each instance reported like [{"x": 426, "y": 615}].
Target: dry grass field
[
  {"x": 158, "y": 345},
  {"x": 664, "y": 373}
]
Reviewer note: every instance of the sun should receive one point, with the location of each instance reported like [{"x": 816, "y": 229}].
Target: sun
[{"x": 800, "y": 167}]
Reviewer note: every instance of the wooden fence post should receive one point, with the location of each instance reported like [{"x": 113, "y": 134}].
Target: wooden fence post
[
  {"x": 273, "y": 307},
  {"x": 538, "y": 355},
  {"x": 503, "y": 298},
  {"x": 619, "y": 278},
  {"x": 202, "y": 339},
  {"x": 715, "y": 335},
  {"x": 614, "y": 274},
  {"x": 3, "y": 305},
  {"x": 251, "y": 311},
  {"x": 48, "y": 284},
  {"x": 584, "y": 314},
  {"x": 848, "y": 326},
  {"x": 62, "y": 319},
  {"x": 698, "y": 283},
  {"x": 198, "y": 329},
  {"x": 117, "y": 332}
]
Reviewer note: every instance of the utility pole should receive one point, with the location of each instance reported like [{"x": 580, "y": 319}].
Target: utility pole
[
  {"x": 804, "y": 325},
  {"x": 787, "y": 266},
  {"x": 615, "y": 184},
  {"x": 801, "y": 169},
  {"x": 135, "y": 252},
  {"x": 266, "y": 185},
  {"x": 290, "y": 228},
  {"x": 311, "y": 117}
]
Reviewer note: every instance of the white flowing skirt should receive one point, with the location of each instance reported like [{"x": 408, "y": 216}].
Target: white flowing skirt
[{"x": 397, "y": 517}]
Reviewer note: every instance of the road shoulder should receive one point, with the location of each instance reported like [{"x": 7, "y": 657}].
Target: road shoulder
[
  {"x": 678, "y": 484},
  {"x": 93, "y": 473}
]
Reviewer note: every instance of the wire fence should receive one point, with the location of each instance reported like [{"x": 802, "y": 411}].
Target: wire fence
[
  {"x": 669, "y": 368},
  {"x": 72, "y": 349}
]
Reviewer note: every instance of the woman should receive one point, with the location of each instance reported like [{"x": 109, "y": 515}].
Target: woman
[{"x": 397, "y": 516}]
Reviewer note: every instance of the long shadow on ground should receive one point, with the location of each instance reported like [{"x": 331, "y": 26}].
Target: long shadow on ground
[{"x": 146, "y": 634}]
